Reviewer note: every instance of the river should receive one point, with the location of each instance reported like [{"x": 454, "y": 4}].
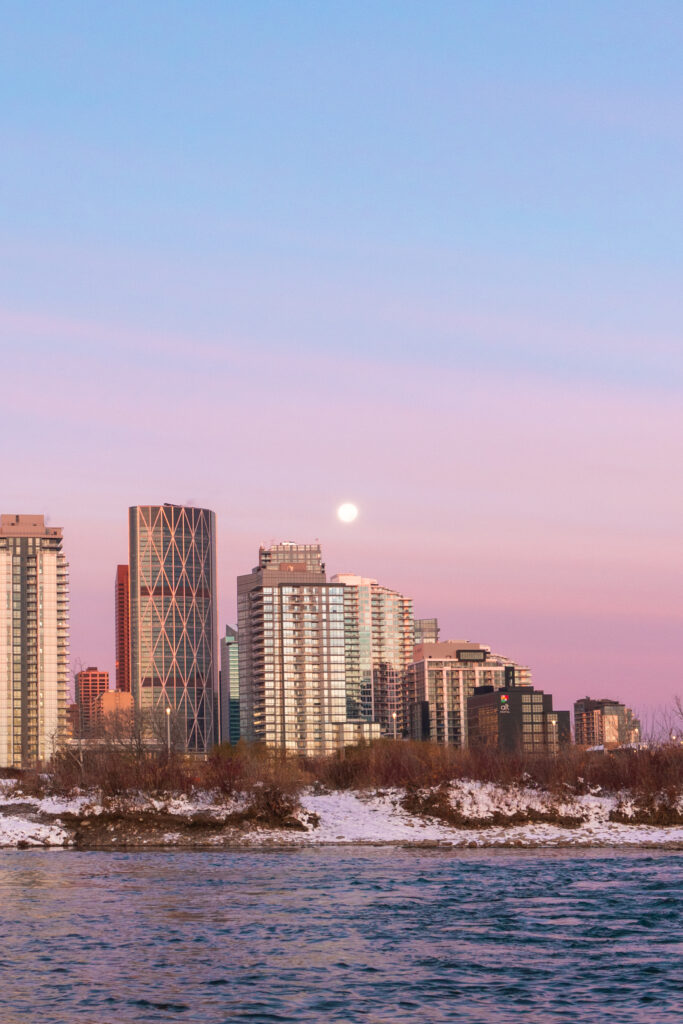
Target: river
[{"x": 341, "y": 934}]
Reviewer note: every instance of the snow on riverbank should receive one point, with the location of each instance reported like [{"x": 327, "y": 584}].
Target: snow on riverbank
[
  {"x": 18, "y": 831},
  {"x": 354, "y": 818},
  {"x": 345, "y": 818}
]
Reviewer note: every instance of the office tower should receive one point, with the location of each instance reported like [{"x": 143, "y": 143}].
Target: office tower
[
  {"x": 292, "y": 654},
  {"x": 516, "y": 719},
  {"x": 90, "y": 684},
  {"x": 604, "y": 723},
  {"x": 426, "y": 631},
  {"x": 174, "y": 661},
  {"x": 439, "y": 681},
  {"x": 379, "y": 642},
  {"x": 122, "y": 627},
  {"x": 230, "y": 687},
  {"x": 34, "y": 640}
]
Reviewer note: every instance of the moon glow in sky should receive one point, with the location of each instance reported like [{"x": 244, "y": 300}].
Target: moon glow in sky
[{"x": 347, "y": 512}]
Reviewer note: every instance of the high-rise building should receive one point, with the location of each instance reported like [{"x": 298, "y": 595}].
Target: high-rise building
[
  {"x": 288, "y": 553},
  {"x": 439, "y": 681},
  {"x": 426, "y": 631},
  {"x": 517, "y": 719},
  {"x": 90, "y": 684},
  {"x": 379, "y": 646},
  {"x": 230, "y": 687},
  {"x": 174, "y": 660},
  {"x": 34, "y": 640},
  {"x": 292, "y": 659},
  {"x": 122, "y": 627},
  {"x": 604, "y": 723}
]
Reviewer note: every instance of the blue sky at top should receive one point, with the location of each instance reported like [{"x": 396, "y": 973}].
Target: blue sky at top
[{"x": 496, "y": 185}]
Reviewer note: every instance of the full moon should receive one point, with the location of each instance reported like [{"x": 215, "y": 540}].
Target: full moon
[{"x": 347, "y": 512}]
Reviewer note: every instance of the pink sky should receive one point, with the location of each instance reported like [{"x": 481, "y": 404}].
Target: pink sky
[{"x": 537, "y": 516}]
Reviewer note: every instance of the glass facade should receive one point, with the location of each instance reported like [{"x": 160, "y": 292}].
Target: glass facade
[
  {"x": 173, "y": 615},
  {"x": 230, "y": 687},
  {"x": 379, "y": 645},
  {"x": 426, "y": 631}
]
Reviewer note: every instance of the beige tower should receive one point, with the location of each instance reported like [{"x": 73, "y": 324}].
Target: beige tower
[
  {"x": 34, "y": 640},
  {"x": 292, "y": 664}
]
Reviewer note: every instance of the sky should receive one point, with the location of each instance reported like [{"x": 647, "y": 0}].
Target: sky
[{"x": 266, "y": 257}]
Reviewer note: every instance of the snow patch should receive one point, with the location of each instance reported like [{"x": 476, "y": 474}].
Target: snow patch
[{"x": 16, "y": 831}]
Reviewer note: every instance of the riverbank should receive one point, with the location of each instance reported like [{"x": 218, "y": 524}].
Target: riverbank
[{"x": 463, "y": 814}]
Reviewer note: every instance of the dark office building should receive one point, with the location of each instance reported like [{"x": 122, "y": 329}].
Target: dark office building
[{"x": 516, "y": 719}]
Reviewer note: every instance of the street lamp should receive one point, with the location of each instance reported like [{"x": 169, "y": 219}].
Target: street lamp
[
  {"x": 393, "y": 715},
  {"x": 168, "y": 731}
]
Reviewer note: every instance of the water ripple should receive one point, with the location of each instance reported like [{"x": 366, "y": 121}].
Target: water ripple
[{"x": 353, "y": 935}]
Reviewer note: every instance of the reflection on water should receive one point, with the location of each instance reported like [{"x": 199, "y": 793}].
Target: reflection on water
[{"x": 371, "y": 935}]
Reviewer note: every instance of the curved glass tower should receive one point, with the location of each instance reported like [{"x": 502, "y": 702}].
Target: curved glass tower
[{"x": 174, "y": 661}]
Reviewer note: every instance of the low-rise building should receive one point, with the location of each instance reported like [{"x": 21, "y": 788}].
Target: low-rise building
[
  {"x": 113, "y": 702},
  {"x": 441, "y": 678},
  {"x": 604, "y": 723},
  {"x": 517, "y": 719}
]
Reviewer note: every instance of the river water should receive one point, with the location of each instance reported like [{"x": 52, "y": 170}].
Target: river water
[{"x": 341, "y": 934}]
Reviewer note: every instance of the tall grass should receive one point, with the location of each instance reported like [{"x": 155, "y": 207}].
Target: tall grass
[
  {"x": 384, "y": 764},
  {"x": 417, "y": 765}
]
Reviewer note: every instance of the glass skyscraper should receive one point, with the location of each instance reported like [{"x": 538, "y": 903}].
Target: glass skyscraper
[{"x": 174, "y": 661}]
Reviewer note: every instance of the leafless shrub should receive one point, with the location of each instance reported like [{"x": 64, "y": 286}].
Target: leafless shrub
[{"x": 406, "y": 764}]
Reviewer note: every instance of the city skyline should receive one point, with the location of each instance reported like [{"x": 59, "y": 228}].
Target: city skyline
[
  {"x": 562, "y": 695},
  {"x": 341, "y": 527},
  {"x": 432, "y": 265}
]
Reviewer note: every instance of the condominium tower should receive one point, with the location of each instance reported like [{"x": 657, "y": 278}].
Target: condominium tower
[
  {"x": 174, "y": 660},
  {"x": 34, "y": 640},
  {"x": 379, "y": 647},
  {"x": 292, "y": 660}
]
